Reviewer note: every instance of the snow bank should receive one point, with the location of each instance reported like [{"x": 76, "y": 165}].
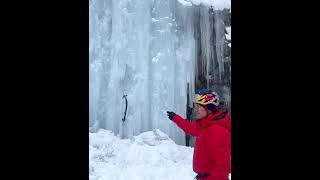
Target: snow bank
[
  {"x": 216, "y": 4},
  {"x": 151, "y": 155}
]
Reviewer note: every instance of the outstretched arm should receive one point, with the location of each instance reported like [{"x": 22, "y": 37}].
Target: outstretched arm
[{"x": 190, "y": 128}]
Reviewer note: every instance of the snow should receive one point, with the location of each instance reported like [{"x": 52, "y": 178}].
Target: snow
[
  {"x": 228, "y": 35},
  {"x": 216, "y": 4},
  {"x": 154, "y": 20},
  {"x": 185, "y": 3},
  {"x": 151, "y": 155}
]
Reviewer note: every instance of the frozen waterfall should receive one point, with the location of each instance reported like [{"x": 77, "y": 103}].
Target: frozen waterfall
[{"x": 150, "y": 50}]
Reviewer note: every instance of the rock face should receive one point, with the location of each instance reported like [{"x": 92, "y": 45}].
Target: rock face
[
  {"x": 212, "y": 33},
  {"x": 213, "y": 51}
]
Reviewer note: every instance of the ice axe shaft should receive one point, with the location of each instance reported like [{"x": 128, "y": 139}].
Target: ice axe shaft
[{"x": 125, "y": 112}]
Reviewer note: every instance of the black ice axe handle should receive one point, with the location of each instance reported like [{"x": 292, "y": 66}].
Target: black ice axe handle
[{"x": 125, "y": 112}]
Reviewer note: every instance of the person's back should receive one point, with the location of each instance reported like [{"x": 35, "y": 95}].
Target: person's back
[{"x": 212, "y": 149}]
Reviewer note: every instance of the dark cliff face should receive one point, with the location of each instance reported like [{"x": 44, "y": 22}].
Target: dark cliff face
[{"x": 213, "y": 54}]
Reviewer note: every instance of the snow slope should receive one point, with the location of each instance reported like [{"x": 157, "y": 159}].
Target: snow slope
[{"x": 151, "y": 155}]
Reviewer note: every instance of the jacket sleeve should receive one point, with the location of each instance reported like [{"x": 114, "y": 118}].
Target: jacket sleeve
[
  {"x": 187, "y": 126},
  {"x": 219, "y": 143}
]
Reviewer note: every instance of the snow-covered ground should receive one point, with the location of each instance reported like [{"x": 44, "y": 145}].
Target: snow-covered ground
[{"x": 151, "y": 155}]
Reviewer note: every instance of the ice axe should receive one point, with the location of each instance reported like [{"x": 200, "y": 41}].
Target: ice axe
[{"x": 125, "y": 112}]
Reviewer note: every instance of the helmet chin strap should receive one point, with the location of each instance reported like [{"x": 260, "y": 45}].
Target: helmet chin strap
[{"x": 207, "y": 111}]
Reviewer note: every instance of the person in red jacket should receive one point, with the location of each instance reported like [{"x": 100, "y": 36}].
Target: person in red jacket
[{"x": 212, "y": 129}]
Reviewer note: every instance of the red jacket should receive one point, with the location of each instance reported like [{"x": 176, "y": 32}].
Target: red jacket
[{"x": 212, "y": 149}]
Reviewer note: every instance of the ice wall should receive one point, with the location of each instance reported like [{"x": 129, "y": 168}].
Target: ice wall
[{"x": 148, "y": 50}]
